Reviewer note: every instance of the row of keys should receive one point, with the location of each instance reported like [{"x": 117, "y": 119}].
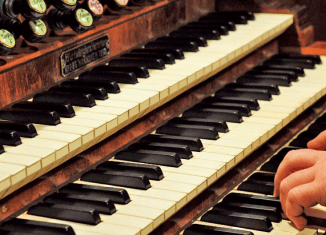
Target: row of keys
[{"x": 109, "y": 174}]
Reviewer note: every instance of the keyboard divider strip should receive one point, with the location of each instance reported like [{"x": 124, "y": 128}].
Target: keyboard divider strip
[{"x": 34, "y": 192}]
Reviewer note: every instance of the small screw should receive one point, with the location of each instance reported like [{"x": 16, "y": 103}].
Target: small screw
[{"x": 4, "y": 209}]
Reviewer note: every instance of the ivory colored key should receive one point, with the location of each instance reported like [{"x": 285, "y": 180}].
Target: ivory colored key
[
  {"x": 173, "y": 86},
  {"x": 132, "y": 107},
  {"x": 234, "y": 135},
  {"x": 245, "y": 145},
  {"x": 5, "y": 183},
  {"x": 220, "y": 167},
  {"x": 121, "y": 113},
  {"x": 17, "y": 175},
  {"x": 154, "y": 96},
  {"x": 189, "y": 189},
  {"x": 145, "y": 225},
  {"x": 99, "y": 126},
  {"x": 61, "y": 148},
  {"x": 168, "y": 206},
  {"x": 228, "y": 160},
  {"x": 306, "y": 231},
  {"x": 32, "y": 164},
  {"x": 47, "y": 156},
  {"x": 224, "y": 151},
  {"x": 163, "y": 90},
  {"x": 156, "y": 215},
  {"x": 74, "y": 140},
  {"x": 111, "y": 121},
  {"x": 143, "y": 101},
  {"x": 198, "y": 181},
  {"x": 211, "y": 175},
  {"x": 86, "y": 133},
  {"x": 179, "y": 78}
]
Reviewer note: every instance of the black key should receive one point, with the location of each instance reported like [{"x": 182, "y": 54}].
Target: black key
[
  {"x": 99, "y": 93},
  {"x": 271, "y": 212},
  {"x": 315, "y": 58},
  {"x": 317, "y": 127},
  {"x": 189, "y": 130},
  {"x": 297, "y": 70},
  {"x": 184, "y": 46},
  {"x": 36, "y": 227},
  {"x": 237, "y": 19},
  {"x": 8, "y": 137},
  {"x": 240, "y": 93},
  {"x": 6, "y": 232},
  {"x": 262, "y": 176},
  {"x": 107, "y": 76},
  {"x": 150, "y": 156},
  {"x": 63, "y": 109},
  {"x": 299, "y": 142},
  {"x": 123, "y": 179},
  {"x": 269, "y": 166},
  {"x": 151, "y": 171},
  {"x": 194, "y": 144},
  {"x": 308, "y": 134},
  {"x": 117, "y": 195},
  {"x": 242, "y": 108},
  {"x": 252, "y": 103},
  {"x": 220, "y": 126},
  {"x": 30, "y": 115},
  {"x": 217, "y": 114},
  {"x": 248, "y": 14},
  {"x": 290, "y": 74},
  {"x": 273, "y": 89},
  {"x": 208, "y": 34},
  {"x": 254, "y": 199},
  {"x": 2, "y": 150},
  {"x": 177, "y": 53},
  {"x": 199, "y": 229},
  {"x": 322, "y": 118},
  {"x": 242, "y": 220},
  {"x": 266, "y": 188},
  {"x": 149, "y": 63},
  {"x": 308, "y": 64},
  {"x": 182, "y": 150},
  {"x": 70, "y": 213},
  {"x": 201, "y": 41},
  {"x": 22, "y": 128},
  {"x": 223, "y": 30},
  {"x": 265, "y": 79},
  {"x": 104, "y": 206},
  {"x": 140, "y": 71},
  {"x": 83, "y": 100},
  {"x": 285, "y": 150},
  {"x": 167, "y": 58},
  {"x": 110, "y": 87}
]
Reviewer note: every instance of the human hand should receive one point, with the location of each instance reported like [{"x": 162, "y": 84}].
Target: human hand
[
  {"x": 318, "y": 143},
  {"x": 300, "y": 182}
]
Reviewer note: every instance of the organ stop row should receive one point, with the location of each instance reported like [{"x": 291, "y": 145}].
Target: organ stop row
[{"x": 143, "y": 122}]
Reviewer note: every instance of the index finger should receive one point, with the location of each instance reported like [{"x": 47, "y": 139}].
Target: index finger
[
  {"x": 293, "y": 161},
  {"x": 319, "y": 142}
]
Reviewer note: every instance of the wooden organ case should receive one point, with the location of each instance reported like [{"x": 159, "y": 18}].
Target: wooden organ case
[{"x": 35, "y": 67}]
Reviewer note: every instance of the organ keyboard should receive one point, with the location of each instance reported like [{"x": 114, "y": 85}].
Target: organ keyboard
[
  {"x": 136, "y": 100},
  {"x": 148, "y": 209}
]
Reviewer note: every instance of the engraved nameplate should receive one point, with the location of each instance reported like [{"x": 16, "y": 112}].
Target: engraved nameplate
[{"x": 83, "y": 55}]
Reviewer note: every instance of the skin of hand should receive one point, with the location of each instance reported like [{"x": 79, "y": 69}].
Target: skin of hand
[{"x": 300, "y": 180}]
